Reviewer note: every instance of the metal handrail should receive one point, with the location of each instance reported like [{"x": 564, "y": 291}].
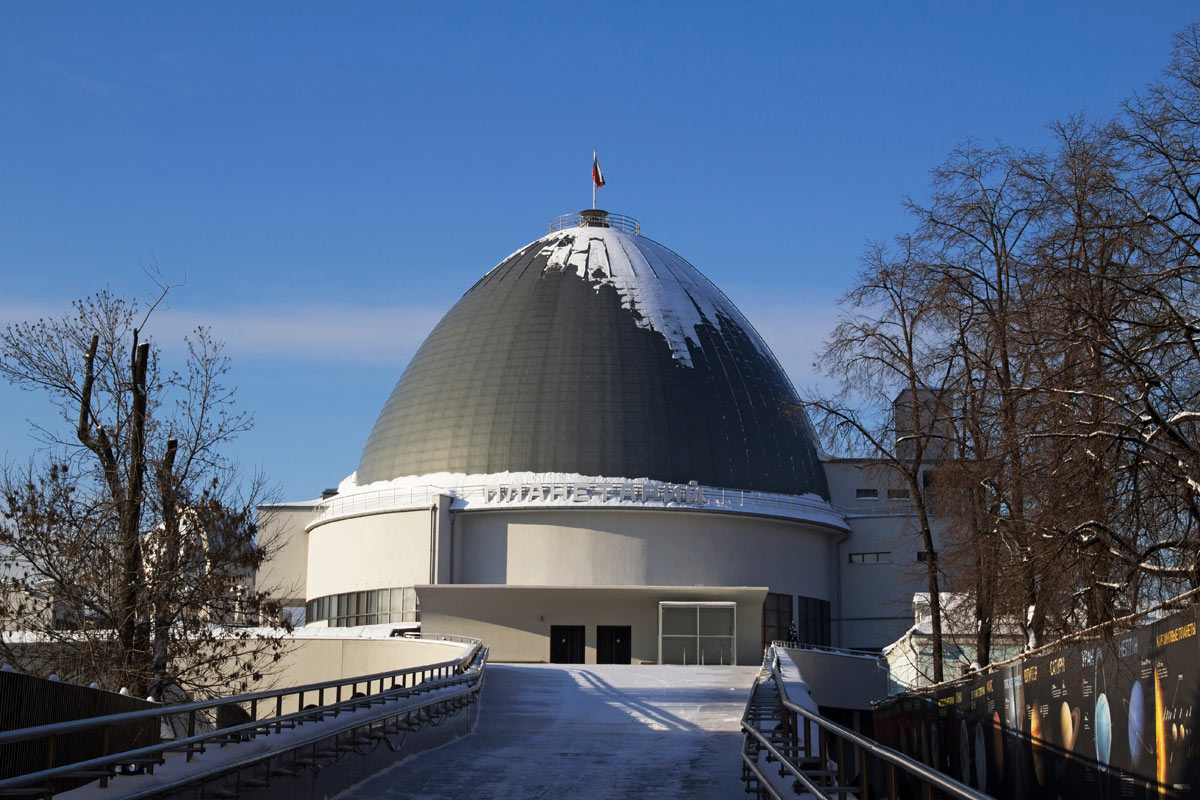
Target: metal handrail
[
  {"x": 929, "y": 777},
  {"x": 582, "y": 220},
  {"x": 441, "y": 637},
  {"x": 783, "y": 644},
  {"x": 465, "y": 670},
  {"x": 785, "y": 763}
]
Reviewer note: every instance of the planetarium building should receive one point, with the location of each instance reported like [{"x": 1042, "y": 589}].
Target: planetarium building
[{"x": 594, "y": 457}]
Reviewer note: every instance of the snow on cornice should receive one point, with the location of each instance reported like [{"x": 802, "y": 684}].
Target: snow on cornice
[{"x": 514, "y": 490}]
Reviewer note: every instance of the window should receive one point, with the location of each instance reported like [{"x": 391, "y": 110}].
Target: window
[
  {"x": 777, "y": 616},
  {"x": 696, "y": 633},
  {"x": 813, "y": 621},
  {"x": 871, "y": 558},
  {"x": 898, "y": 494},
  {"x": 379, "y": 606},
  {"x": 866, "y": 494}
]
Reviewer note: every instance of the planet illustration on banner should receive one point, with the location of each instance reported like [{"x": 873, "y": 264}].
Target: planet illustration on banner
[
  {"x": 1162, "y": 751},
  {"x": 1103, "y": 730},
  {"x": 998, "y": 741},
  {"x": 964, "y": 751},
  {"x": 1137, "y": 721},
  {"x": 980, "y": 757},
  {"x": 1069, "y": 722},
  {"x": 1039, "y": 758}
]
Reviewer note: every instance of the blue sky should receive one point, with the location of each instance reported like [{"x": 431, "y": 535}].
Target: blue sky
[{"x": 330, "y": 178}]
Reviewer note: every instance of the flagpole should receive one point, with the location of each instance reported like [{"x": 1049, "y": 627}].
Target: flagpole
[{"x": 593, "y": 181}]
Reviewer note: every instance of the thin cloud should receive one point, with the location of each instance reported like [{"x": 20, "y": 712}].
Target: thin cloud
[{"x": 344, "y": 334}]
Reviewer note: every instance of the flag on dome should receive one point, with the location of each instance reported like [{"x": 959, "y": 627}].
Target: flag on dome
[{"x": 597, "y": 175}]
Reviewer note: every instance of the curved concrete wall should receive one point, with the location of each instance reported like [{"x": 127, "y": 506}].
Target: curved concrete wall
[
  {"x": 571, "y": 547},
  {"x": 376, "y": 551},
  {"x": 327, "y": 658},
  {"x": 641, "y": 548}
]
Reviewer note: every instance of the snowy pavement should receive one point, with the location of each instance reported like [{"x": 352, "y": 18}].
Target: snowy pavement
[{"x": 606, "y": 731}]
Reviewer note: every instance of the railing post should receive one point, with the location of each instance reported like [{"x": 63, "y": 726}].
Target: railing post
[
  {"x": 793, "y": 733},
  {"x": 191, "y": 731},
  {"x": 842, "y": 773},
  {"x": 104, "y": 750},
  {"x": 822, "y": 747},
  {"x": 864, "y": 786}
]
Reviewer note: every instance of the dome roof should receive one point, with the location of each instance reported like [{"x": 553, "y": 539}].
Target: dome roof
[{"x": 598, "y": 352}]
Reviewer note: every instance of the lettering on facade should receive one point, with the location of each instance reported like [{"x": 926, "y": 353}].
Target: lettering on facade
[{"x": 629, "y": 492}]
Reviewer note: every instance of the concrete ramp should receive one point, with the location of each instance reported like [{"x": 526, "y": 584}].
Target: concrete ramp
[{"x": 603, "y": 731}]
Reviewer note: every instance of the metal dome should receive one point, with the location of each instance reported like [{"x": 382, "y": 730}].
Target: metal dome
[{"x": 599, "y": 352}]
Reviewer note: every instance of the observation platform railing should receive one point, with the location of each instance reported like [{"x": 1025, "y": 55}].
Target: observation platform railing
[
  {"x": 813, "y": 755},
  {"x": 395, "y": 702},
  {"x": 582, "y": 219}
]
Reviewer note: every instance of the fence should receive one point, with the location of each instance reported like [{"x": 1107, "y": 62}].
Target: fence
[
  {"x": 308, "y": 721},
  {"x": 1111, "y": 715},
  {"x": 27, "y": 701},
  {"x": 784, "y": 736}
]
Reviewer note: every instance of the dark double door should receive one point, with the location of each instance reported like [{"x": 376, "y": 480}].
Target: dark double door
[
  {"x": 612, "y": 644},
  {"x": 566, "y": 644}
]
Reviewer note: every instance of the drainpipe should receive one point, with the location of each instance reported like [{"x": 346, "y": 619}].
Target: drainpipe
[
  {"x": 450, "y": 539},
  {"x": 837, "y": 580},
  {"x": 433, "y": 511}
]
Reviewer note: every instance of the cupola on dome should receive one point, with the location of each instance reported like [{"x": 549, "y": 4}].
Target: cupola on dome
[{"x": 598, "y": 352}]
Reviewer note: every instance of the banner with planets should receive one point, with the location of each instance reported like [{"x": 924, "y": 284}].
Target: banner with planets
[
  {"x": 1170, "y": 699},
  {"x": 1110, "y": 717}
]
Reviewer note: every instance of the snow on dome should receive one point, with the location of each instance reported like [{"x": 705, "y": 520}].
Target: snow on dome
[{"x": 663, "y": 291}]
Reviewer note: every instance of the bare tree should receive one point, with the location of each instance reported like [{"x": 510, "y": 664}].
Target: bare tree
[
  {"x": 888, "y": 345},
  {"x": 1058, "y": 294},
  {"x": 130, "y": 551}
]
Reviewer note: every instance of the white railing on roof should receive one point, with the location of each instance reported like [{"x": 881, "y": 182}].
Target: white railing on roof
[
  {"x": 583, "y": 219},
  {"x": 586, "y": 494},
  {"x": 784, "y": 644},
  {"x": 871, "y": 508}
]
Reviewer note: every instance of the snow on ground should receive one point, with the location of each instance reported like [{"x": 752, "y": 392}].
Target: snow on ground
[
  {"x": 794, "y": 684},
  {"x": 605, "y": 731}
]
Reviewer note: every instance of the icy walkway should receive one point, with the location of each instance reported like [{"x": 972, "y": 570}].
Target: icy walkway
[{"x": 555, "y": 731}]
